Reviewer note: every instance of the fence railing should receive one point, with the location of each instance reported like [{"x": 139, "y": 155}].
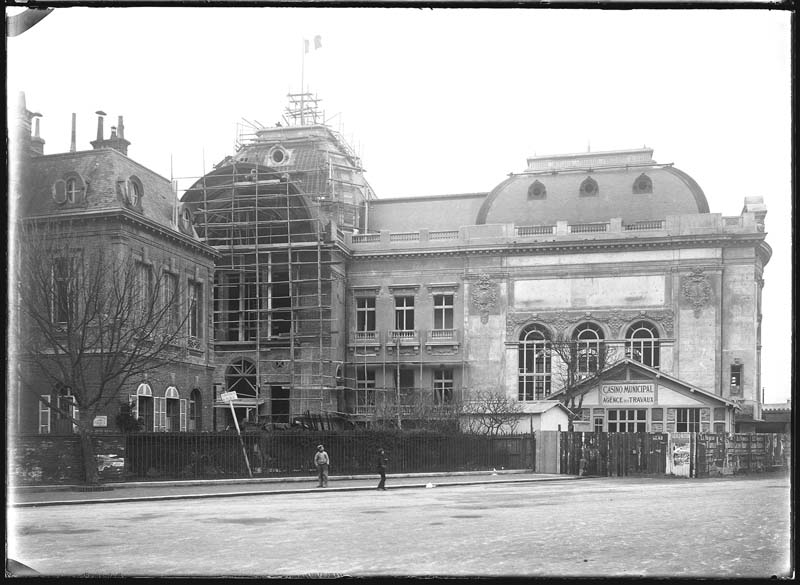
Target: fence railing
[
  {"x": 218, "y": 455},
  {"x": 535, "y": 230},
  {"x": 686, "y": 454}
]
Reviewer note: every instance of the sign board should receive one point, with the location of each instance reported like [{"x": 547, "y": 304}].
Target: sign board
[
  {"x": 628, "y": 395},
  {"x": 100, "y": 421},
  {"x": 228, "y": 396}
]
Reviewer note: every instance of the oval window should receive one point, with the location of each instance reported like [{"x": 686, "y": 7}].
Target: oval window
[{"x": 278, "y": 155}]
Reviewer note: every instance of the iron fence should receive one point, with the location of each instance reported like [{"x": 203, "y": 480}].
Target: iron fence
[{"x": 222, "y": 455}]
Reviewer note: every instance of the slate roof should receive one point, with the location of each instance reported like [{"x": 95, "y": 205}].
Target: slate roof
[{"x": 101, "y": 170}]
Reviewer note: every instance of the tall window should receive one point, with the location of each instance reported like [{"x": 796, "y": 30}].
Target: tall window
[
  {"x": 404, "y": 313},
  {"x": 627, "y": 421},
  {"x": 443, "y": 386},
  {"x": 736, "y": 378},
  {"x": 144, "y": 286},
  {"x": 442, "y": 311},
  {"x": 195, "y": 309},
  {"x": 535, "y": 374},
  {"x": 365, "y": 314},
  {"x": 641, "y": 344},
  {"x": 174, "y": 411},
  {"x": 62, "y": 286},
  {"x": 171, "y": 301},
  {"x": 195, "y": 410},
  {"x": 588, "y": 339},
  {"x": 365, "y": 387}
]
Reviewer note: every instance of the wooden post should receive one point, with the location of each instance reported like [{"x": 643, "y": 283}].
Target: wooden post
[{"x": 241, "y": 441}]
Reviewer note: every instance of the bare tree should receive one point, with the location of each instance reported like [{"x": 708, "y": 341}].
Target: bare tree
[
  {"x": 489, "y": 412},
  {"x": 576, "y": 362},
  {"x": 95, "y": 320}
]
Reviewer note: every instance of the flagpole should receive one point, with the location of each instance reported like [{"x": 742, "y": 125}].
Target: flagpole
[{"x": 302, "y": 84}]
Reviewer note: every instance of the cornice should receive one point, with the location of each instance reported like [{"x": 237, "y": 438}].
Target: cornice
[
  {"x": 125, "y": 215},
  {"x": 574, "y": 246}
]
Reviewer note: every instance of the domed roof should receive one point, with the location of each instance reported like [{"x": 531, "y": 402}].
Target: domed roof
[{"x": 593, "y": 187}]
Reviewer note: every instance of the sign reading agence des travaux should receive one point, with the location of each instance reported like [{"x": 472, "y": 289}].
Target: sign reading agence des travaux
[{"x": 627, "y": 394}]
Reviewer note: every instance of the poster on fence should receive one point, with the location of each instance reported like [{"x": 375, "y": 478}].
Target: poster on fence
[{"x": 679, "y": 454}]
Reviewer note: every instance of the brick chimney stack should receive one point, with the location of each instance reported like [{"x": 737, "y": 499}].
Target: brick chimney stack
[
  {"x": 37, "y": 143},
  {"x": 72, "y": 137},
  {"x": 116, "y": 140}
]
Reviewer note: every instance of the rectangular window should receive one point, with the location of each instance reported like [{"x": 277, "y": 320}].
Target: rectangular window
[
  {"x": 62, "y": 287},
  {"x": 627, "y": 421},
  {"x": 44, "y": 415},
  {"x": 144, "y": 288},
  {"x": 598, "y": 423},
  {"x": 365, "y": 387},
  {"x": 195, "y": 290},
  {"x": 443, "y": 386},
  {"x": 365, "y": 314},
  {"x": 404, "y": 313},
  {"x": 736, "y": 379},
  {"x": 171, "y": 302},
  {"x": 442, "y": 311},
  {"x": 687, "y": 420}
]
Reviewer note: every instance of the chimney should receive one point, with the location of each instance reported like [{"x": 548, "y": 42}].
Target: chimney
[
  {"x": 99, "y": 142},
  {"x": 120, "y": 127},
  {"x": 72, "y": 138},
  {"x": 37, "y": 144}
]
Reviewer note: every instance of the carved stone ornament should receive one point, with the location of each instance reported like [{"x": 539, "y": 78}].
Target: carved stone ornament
[
  {"x": 616, "y": 319},
  {"x": 697, "y": 290},
  {"x": 484, "y": 296}
]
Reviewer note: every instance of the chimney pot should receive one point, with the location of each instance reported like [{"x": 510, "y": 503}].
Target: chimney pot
[
  {"x": 120, "y": 127},
  {"x": 100, "y": 114}
]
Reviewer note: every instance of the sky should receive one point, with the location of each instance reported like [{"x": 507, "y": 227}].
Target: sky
[{"x": 439, "y": 101}]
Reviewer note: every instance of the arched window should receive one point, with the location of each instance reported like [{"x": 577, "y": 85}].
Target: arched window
[
  {"x": 535, "y": 373},
  {"x": 641, "y": 344},
  {"x": 589, "y": 188},
  {"x": 537, "y": 190},
  {"x": 588, "y": 339},
  {"x": 174, "y": 410},
  {"x": 195, "y": 410},
  {"x": 643, "y": 184},
  {"x": 142, "y": 406}
]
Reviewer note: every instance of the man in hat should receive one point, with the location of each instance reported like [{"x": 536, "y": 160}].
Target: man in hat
[
  {"x": 382, "y": 461},
  {"x": 322, "y": 461}
]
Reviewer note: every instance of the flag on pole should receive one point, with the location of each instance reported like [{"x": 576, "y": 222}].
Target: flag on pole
[{"x": 317, "y": 43}]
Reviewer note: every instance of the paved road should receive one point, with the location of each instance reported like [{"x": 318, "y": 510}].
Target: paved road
[{"x": 592, "y": 527}]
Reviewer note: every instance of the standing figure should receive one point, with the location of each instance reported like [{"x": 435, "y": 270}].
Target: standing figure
[
  {"x": 382, "y": 461},
  {"x": 322, "y": 461}
]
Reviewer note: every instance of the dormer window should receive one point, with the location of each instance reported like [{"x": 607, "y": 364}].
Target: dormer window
[
  {"x": 589, "y": 188},
  {"x": 69, "y": 189},
  {"x": 132, "y": 192},
  {"x": 642, "y": 184},
  {"x": 537, "y": 190},
  {"x": 278, "y": 156}
]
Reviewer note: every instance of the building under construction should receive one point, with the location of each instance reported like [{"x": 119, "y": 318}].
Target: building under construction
[{"x": 277, "y": 211}]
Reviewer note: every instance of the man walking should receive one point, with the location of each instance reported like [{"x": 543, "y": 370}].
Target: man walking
[
  {"x": 382, "y": 461},
  {"x": 322, "y": 461}
]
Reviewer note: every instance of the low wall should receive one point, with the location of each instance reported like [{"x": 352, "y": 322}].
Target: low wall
[{"x": 56, "y": 459}]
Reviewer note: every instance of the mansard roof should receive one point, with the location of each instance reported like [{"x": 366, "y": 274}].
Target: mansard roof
[
  {"x": 593, "y": 187},
  {"x": 101, "y": 172}
]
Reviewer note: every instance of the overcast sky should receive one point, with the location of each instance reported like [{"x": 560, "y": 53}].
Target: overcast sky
[{"x": 443, "y": 101}]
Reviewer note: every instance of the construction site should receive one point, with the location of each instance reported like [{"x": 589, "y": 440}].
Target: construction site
[{"x": 276, "y": 211}]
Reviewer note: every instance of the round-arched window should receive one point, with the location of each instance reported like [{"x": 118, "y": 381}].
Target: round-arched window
[
  {"x": 589, "y": 348},
  {"x": 589, "y": 187},
  {"x": 643, "y": 184},
  {"x": 641, "y": 344},
  {"x": 537, "y": 190}
]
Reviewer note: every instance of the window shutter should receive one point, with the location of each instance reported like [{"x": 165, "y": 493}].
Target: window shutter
[
  {"x": 183, "y": 414},
  {"x": 672, "y": 420},
  {"x": 133, "y": 404},
  {"x": 44, "y": 415},
  {"x": 75, "y": 415},
  {"x": 160, "y": 418}
]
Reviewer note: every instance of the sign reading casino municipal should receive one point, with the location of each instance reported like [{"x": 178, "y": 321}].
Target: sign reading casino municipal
[{"x": 627, "y": 394}]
